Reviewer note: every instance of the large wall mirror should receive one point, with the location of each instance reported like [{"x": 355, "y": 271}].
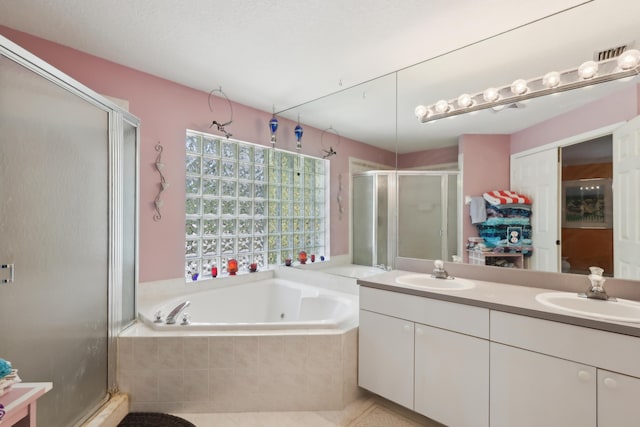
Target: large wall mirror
[{"x": 559, "y": 42}]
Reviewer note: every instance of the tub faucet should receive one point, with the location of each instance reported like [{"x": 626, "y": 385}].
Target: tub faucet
[
  {"x": 596, "y": 287},
  {"x": 439, "y": 272},
  {"x": 171, "y": 317}
]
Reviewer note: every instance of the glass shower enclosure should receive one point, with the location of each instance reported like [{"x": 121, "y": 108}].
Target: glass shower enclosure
[
  {"x": 68, "y": 227},
  {"x": 409, "y": 214}
]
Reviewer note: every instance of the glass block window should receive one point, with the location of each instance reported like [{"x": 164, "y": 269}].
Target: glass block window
[{"x": 251, "y": 203}]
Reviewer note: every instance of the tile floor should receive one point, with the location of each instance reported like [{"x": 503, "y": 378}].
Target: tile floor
[{"x": 350, "y": 416}]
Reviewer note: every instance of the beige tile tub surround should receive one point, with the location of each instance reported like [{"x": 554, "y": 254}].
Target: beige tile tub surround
[{"x": 225, "y": 373}]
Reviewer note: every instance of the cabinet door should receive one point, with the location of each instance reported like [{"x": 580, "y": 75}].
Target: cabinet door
[
  {"x": 617, "y": 400},
  {"x": 452, "y": 377},
  {"x": 531, "y": 390},
  {"x": 385, "y": 357}
]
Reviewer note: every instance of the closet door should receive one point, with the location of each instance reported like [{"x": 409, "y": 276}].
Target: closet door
[
  {"x": 626, "y": 205},
  {"x": 537, "y": 176},
  {"x": 54, "y": 231}
]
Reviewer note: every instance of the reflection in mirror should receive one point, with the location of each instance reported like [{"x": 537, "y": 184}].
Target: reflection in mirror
[
  {"x": 498, "y": 148},
  {"x": 363, "y": 113},
  {"x": 480, "y": 145}
]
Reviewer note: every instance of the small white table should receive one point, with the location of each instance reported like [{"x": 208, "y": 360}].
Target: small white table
[{"x": 20, "y": 404}]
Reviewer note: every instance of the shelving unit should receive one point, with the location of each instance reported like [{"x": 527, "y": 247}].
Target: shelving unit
[{"x": 496, "y": 259}]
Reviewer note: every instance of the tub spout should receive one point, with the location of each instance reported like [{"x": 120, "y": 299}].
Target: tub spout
[{"x": 171, "y": 317}]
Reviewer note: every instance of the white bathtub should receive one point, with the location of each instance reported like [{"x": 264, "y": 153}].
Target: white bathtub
[
  {"x": 351, "y": 270},
  {"x": 355, "y": 271},
  {"x": 271, "y": 304}
]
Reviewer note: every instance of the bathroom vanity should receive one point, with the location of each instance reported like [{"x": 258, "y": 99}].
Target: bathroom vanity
[{"x": 492, "y": 355}]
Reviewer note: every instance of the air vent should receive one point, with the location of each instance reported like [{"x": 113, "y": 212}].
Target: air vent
[{"x": 609, "y": 53}]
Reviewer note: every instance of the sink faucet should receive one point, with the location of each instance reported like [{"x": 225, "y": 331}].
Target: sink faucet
[
  {"x": 439, "y": 272},
  {"x": 596, "y": 288},
  {"x": 171, "y": 317}
]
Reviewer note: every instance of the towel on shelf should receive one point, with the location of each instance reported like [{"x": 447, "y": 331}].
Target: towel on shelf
[
  {"x": 477, "y": 210},
  {"x": 5, "y": 368},
  {"x": 501, "y": 197}
]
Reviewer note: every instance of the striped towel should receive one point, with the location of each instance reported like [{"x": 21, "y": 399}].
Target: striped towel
[{"x": 502, "y": 197}]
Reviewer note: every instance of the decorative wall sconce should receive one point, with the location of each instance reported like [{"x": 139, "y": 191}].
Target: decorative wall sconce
[
  {"x": 221, "y": 125},
  {"x": 339, "y": 197},
  {"x": 329, "y": 152},
  {"x": 158, "y": 202},
  {"x": 587, "y": 74}
]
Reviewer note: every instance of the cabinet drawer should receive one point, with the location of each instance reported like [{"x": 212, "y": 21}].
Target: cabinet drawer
[
  {"x": 606, "y": 350},
  {"x": 441, "y": 314}
]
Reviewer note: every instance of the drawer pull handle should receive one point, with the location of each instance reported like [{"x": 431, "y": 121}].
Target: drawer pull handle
[
  {"x": 610, "y": 382},
  {"x": 584, "y": 375}
]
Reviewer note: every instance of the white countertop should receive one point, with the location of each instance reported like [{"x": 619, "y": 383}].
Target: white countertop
[{"x": 501, "y": 297}]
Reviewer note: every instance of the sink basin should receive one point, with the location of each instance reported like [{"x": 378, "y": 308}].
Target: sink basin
[
  {"x": 619, "y": 311},
  {"x": 426, "y": 281}
]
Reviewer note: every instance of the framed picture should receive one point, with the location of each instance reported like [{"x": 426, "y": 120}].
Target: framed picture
[{"x": 587, "y": 203}]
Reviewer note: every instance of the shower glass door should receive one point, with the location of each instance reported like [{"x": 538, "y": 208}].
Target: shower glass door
[
  {"x": 372, "y": 241},
  {"x": 427, "y": 215},
  {"x": 54, "y": 228}
]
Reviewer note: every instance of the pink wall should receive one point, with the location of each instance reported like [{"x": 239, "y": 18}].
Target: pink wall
[
  {"x": 485, "y": 162},
  {"x": 618, "y": 107},
  {"x": 428, "y": 157},
  {"x": 166, "y": 109}
]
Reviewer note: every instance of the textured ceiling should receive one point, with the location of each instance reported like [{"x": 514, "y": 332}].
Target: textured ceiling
[{"x": 280, "y": 54}]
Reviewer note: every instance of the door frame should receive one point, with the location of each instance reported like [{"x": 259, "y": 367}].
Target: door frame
[{"x": 565, "y": 142}]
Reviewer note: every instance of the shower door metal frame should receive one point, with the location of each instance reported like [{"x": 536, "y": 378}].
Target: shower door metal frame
[
  {"x": 391, "y": 214},
  {"x": 117, "y": 117}
]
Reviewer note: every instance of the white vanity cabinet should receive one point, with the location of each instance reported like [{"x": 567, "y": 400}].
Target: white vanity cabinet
[
  {"x": 618, "y": 399},
  {"x": 451, "y": 377},
  {"x": 427, "y": 355},
  {"x": 529, "y": 389},
  {"x": 554, "y": 374},
  {"x": 385, "y": 350}
]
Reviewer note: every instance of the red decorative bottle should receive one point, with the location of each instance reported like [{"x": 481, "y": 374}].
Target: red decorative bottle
[{"x": 232, "y": 267}]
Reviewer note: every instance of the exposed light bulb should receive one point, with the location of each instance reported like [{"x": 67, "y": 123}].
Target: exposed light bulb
[
  {"x": 442, "y": 106},
  {"x": 629, "y": 59},
  {"x": 465, "y": 100},
  {"x": 587, "y": 70},
  {"x": 551, "y": 79},
  {"x": 491, "y": 94},
  {"x": 420, "y": 111},
  {"x": 519, "y": 87}
]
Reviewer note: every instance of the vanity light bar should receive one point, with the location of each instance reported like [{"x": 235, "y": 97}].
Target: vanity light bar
[{"x": 587, "y": 74}]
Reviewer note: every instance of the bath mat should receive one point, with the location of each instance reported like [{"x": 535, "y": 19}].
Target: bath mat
[{"x": 153, "y": 419}]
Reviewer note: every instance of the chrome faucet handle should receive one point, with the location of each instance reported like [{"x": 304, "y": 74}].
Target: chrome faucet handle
[
  {"x": 596, "y": 285},
  {"x": 439, "y": 272},
  {"x": 158, "y": 317},
  {"x": 186, "y": 319}
]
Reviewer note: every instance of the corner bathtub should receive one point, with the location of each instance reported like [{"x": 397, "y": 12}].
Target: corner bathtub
[
  {"x": 256, "y": 342},
  {"x": 271, "y": 304}
]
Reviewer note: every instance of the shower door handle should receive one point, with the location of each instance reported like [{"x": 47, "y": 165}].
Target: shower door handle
[{"x": 9, "y": 267}]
